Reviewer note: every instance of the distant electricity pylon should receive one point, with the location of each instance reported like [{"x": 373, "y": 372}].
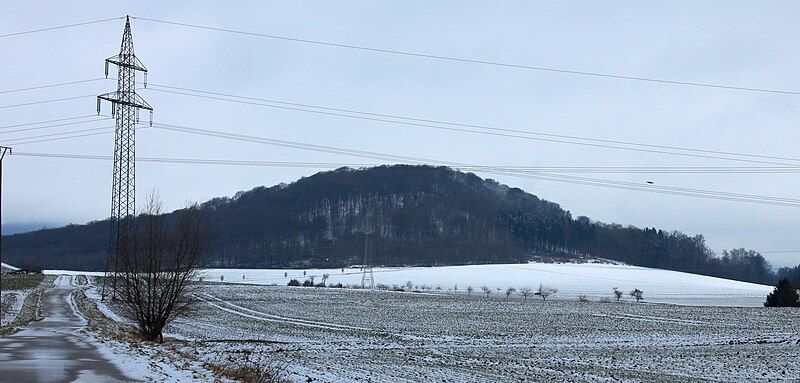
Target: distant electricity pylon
[
  {"x": 3, "y": 151},
  {"x": 367, "y": 278},
  {"x": 125, "y": 105}
]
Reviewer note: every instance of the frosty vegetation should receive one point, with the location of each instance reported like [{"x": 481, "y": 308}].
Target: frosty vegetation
[{"x": 154, "y": 279}]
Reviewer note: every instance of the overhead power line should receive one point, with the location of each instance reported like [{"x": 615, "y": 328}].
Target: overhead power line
[
  {"x": 449, "y": 126},
  {"x": 483, "y": 130},
  {"x": 334, "y": 165},
  {"x": 14, "y": 141},
  {"x": 48, "y": 121},
  {"x": 700, "y": 193},
  {"x": 475, "y": 61},
  {"x": 109, "y": 129},
  {"x": 60, "y": 27},
  {"x": 52, "y": 85},
  {"x": 45, "y": 101},
  {"x": 54, "y": 125}
]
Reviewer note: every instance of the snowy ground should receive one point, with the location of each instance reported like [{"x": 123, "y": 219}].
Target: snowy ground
[
  {"x": 12, "y": 304},
  {"x": 141, "y": 362},
  {"x": 349, "y": 335},
  {"x": 355, "y": 335},
  {"x": 595, "y": 280}
]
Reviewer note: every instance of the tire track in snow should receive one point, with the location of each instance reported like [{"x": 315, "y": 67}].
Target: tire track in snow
[
  {"x": 258, "y": 315},
  {"x": 647, "y": 318}
]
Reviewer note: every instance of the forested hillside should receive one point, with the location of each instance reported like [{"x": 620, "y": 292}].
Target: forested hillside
[{"x": 413, "y": 215}]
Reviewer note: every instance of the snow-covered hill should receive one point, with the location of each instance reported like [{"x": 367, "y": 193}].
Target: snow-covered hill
[{"x": 595, "y": 280}]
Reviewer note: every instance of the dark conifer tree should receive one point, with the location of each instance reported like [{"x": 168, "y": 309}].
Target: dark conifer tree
[{"x": 784, "y": 295}]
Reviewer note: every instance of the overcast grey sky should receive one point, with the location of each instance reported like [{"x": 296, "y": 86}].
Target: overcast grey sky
[{"x": 748, "y": 44}]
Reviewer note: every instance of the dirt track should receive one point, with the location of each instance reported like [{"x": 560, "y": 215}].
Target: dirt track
[{"x": 51, "y": 350}]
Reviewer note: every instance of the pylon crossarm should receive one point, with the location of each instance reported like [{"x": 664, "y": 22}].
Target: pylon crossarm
[
  {"x": 117, "y": 98},
  {"x": 136, "y": 65}
]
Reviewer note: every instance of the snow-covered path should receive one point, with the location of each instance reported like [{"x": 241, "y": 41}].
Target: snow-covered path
[{"x": 51, "y": 350}]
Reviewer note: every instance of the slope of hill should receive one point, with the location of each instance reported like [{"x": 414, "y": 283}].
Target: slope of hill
[
  {"x": 412, "y": 215},
  {"x": 595, "y": 280}
]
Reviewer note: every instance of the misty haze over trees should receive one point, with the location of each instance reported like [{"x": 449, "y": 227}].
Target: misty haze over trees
[{"x": 421, "y": 215}]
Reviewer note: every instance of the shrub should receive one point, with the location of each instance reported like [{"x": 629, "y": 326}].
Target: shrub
[
  {"x": 583, "y": 298},
  {"x": 293, "y": 282},
  {"x": 249, "y": 369},
  {"x": 308, "y": 283},
  {"x": 636, "y": 293},
  {"x": 784, "y": 295},
  {"x": 545, "y": 291},
  {"x": 618, "y": 293}
]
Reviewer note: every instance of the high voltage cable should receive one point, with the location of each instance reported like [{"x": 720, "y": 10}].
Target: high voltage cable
[
  {"x": 55, "y": 134},
  {"x": 768, "y": 200},
  {"x": 53, "y": 126},
  {"x": 538, "y": 175},
  {"x": 46, "y": 101},
  {"x": 475, "y": 61},
  {"x": 738, "y": 197},
  {"x": 52, "y": 85},
  {"x": 17, "y": 143},
  {"x": 478, "y": 126},
  {"x": 494, "y": 131},
  {"x": 48, "y": 121},
  {"x": 383, "y": 156},
  {"x": 60, "y": 27},
  {"x": 425, "y": 123},
  {"x": 596, "y": 182},
  {"x": 294, "y": 164},
  {"x": 63, "y": 138}
]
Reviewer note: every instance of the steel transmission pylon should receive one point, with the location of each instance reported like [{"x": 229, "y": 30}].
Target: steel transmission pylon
[
  {"x": 125, "y": 105},
  {"x": 367, "y": 278}
]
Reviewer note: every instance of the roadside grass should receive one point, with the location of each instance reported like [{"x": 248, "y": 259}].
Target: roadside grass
[
  {"x": 177, "y": 351},
  {"x": 31, "y": 306},
  {"x": 21, "y": 282}
]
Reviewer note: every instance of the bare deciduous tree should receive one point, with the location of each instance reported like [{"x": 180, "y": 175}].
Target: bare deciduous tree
[
  {"x": 409, "y": 285},
  {"x": 510, "y": 291},
  {"x": 545, "y": 291},
  {"x": 486, "y": 290},
  {"x": 155, "y": 278},
  {"x": 638, "y": 294},
  {"x": 469, "y": 290},
  {"x": 618, "y": 294},
  {"x": 525, "y": 291}
]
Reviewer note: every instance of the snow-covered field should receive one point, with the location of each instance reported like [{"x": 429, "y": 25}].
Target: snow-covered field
[
  {"x": 355, "y": 335},
  {"x": 595, "y": 280},
  {"x": 351, "y": 335}
]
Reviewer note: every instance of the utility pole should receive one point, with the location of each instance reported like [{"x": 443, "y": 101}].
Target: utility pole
[
  {"x": 3, "y": 151},
  {"x": 125, "y": 105}
]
